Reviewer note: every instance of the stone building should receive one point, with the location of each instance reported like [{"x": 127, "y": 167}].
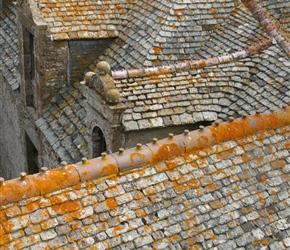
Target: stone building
[
  {"x": 225, "y": 186},
  {"x": 84, "y": 77}
]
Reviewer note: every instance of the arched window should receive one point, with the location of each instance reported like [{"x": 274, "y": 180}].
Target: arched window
[{"x": 98, "y": 141}]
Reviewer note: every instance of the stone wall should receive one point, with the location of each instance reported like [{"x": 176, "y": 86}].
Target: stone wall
[
  {"x": 146, "y": 135},
  {"x": 50, "y": 60},
  {"x": 106, "y": 117},
  {"x": 55, "y": 70},
  {"x": 12, "y": 144},
  {"x": 82, "y": 53}
]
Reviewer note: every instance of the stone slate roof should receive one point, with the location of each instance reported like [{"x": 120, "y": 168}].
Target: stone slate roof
[
  {"x": 221, "y": 187},
  {"x": 258, "y": 83},
  {"x": 279, "y": 9},
  {"x": 238, "y": 30},
  {"x": 9, "y": 60},
  {"x": 165, "y": 32},
  {"x": 63, "y": 125},
  {"x": 81, "y": 19}
]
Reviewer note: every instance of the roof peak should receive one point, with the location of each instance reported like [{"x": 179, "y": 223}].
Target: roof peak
[
  {"x": 195, "y": 64},
  {"x": 69, "y": 175}
]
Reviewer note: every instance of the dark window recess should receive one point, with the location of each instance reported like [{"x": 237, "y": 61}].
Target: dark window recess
[
  {"x": 32, "y": 156},
  {"x": 31, "y": 51},
  {"x": 98, "y": 141},
  {"x": 29, "y": 69}
]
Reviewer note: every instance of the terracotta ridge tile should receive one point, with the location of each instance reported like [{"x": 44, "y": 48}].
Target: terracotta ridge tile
[
  {"x": 195, "y": 64},
  {"x": 269, "y": 24},
  {"x": 149, "y": 154}
]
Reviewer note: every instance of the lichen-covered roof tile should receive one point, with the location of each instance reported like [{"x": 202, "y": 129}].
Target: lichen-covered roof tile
[
  {"x": 82, "y": 19},
  {"x": 198, "y": 195}
]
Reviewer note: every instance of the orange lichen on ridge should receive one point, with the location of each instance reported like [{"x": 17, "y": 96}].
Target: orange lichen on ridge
[
  {"x": 109, "y": 169},
  {"x": 135, "y": 156},
  {"x": 167, "y": 151}
]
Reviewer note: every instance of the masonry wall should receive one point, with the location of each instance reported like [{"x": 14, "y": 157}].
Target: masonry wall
[
  {"x": 50, "y": 61},
  {"x": 82, "y": 53},
  {"x": 12, "y": 144},
  {"x": 146, "y": 135},
  {"x": 55, "y": 70}
]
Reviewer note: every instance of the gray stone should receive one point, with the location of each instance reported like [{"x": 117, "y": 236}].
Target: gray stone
[{"x": 141, "y": 241}]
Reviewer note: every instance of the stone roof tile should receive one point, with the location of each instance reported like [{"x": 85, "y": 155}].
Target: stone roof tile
[
  {"x": 9, "y": 46},
  {"x": 163, "y": 33},
  {"x": 62, "y": 125},
  {"x": 234, "y": 89},
  {"x": 82, "y": 19},
  {"x": 184, "y": 204}
]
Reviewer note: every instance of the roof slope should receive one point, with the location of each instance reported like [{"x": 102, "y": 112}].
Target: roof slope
[
  {"x": 280, "y": 10},
  {"x": 81, "y": 19},
  {"x": 9, "y": 61},
  {"x": 63, "y": 125},
  {"x": 179, "y": 95},
  {"x": 224, "y": 186},
  {"x": 253, "y": 84},
  {"x": 157, "y": 33}
]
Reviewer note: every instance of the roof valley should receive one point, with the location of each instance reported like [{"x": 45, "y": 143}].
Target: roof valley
[{"x": 269, "y": 24}]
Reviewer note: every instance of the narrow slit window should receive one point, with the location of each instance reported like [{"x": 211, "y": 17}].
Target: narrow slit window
[{"x": 98, "y": 142}]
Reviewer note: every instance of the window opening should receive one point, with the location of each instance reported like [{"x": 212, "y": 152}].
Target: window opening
[
  {"x": 32, "y": 156},
  {"x": 29, "y": 69},
  {"x": 99, "y": 143}
]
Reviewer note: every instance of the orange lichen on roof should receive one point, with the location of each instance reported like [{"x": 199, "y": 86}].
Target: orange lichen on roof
[
  {"x": 80, "y": 19},
  {"x": 152, "y": 153},
  {"x": 111, "y": 203},
  {"x": 66, "y": 207},
  {"x": 109, "y": 169}
]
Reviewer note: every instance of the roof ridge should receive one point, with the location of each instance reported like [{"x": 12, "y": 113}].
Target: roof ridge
[
  {"x": 69, "y": 175},
  {"x": 194, "y": 64},
  {"x": 269, "y": 24}
]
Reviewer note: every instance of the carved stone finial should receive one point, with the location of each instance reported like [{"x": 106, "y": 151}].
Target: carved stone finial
[
  {"x": 103, "y": 68},
  {"x": 89, "y": 78},
  {"x": 113, "y": 96}
]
